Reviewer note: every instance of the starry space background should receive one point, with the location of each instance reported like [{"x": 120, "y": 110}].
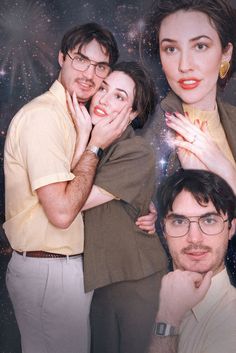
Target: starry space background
[{"x": 30, "y": 33}]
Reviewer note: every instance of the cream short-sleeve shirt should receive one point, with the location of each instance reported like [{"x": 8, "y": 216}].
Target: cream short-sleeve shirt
[{"x": 38, "y": 151}]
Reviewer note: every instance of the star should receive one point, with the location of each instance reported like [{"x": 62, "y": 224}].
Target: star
[
  {"x": 2, "y": 72},
  {"x": 162, "y": 162}
]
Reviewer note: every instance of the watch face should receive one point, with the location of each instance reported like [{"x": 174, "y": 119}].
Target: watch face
[
  {"x": 96, "y": 150},
  {"x": 99, "y": 153},
  {"x": 161, "y": 328},
  {"x": 164, "y": 329}
]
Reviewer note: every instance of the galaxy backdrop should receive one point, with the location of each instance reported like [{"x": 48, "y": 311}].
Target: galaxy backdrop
[{"x": 30, "y": 35}]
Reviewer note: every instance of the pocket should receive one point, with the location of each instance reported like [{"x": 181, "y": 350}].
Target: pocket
[{"x": 26, "y": 283}]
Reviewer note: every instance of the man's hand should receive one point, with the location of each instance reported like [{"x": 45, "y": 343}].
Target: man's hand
[
  {"x": 110, "y": 128},
  {"x": 180, "y": 292},
  {"x": 148, "y": 221}
]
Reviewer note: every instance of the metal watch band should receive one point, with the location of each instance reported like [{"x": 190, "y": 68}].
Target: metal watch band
[
  {"x": 96, "y": 150},
  {"x": 164, "y": 329}
]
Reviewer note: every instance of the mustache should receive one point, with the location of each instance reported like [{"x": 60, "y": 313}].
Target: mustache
[
  {"x": 191, "y": 247},
  {"x": 85, "y": 80}
]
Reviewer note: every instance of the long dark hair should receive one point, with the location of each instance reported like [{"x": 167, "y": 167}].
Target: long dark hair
[{"x": 220, "y": 12}]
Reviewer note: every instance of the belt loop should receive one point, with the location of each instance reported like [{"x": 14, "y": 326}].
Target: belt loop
[
  {"x": 67, "y": 259},
  {"x": 24, "y": 255}
]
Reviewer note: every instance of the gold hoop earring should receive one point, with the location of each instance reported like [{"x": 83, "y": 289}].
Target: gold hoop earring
[{"x": 224, "y": 69}]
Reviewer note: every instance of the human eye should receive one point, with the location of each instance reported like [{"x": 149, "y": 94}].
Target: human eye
[
  {"x": 201, "y": 46},
  {"x": 120, "y": 97},
  {"x": 210, "y": 219},
  {"x": 80, "y": 59},
  {"x": 178, "y": 221},
  {"x": 101, "y": 67},
  {"x": 102, "y": 88},
  {"x": 170, "y": 49}
]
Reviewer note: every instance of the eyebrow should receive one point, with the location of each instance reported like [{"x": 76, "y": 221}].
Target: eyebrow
[
  {"x": 173, "y": 215},
  {"x": 191, "y": 40},
  {"x": 86, "y": 57},
  {"x": 118, "y": 89}
]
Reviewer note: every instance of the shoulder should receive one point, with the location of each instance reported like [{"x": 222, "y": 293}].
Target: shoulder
[
  {"x": 33, "y": 114},
  {"x": 225, "y": 107}
]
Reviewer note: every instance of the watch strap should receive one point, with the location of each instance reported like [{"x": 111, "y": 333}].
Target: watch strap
[
  {"x": 164, "y": 329},
  {"x": 96, "y": 150}
]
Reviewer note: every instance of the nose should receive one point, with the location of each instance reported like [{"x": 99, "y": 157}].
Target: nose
[
  {"x": 104, "y": 99},
  {"x": 195, "y": 234},
  {"x": 185, "y": 61},
  {"x": 90, "y": 72}
]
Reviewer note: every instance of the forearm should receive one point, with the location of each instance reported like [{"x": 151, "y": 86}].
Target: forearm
[
  {"x": 160, "y": 344},
  {"x": 78, "y": 189},
  {"x": 97, "y": 197},
  {"x": 229, "y": 174},
  {"x": 63, "y": 201},
  {"x": 79, "y": 150}
]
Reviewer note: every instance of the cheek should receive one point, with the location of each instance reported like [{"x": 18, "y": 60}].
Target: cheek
[
  {"x": 116, "y": 106},
  {"x": 97, "y": 82},
  {"x": 169, "y": 66},
  {"x": 175, "y": 246},
  {"x": 211, "y": 71}
]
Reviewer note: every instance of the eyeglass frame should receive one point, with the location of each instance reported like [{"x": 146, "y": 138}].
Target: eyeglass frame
[
  {"x": 89, "y": 64},
  {"x": 197, "y": 221}
]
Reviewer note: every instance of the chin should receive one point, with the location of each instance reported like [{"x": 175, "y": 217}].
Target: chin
[
  {"x": 94, "y": 120},
  {"x": 200, "y": 268}
]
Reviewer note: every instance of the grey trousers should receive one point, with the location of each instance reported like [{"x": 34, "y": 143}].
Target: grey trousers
[{"x": 51, "y": 308}]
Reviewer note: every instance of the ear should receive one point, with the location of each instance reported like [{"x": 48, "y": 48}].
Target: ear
[
  {"x": 227, "y": 52},
  {"x": 232, "y": 229},
  {"x": 60, "y": 58},
  {"x": 133, "y": 115}
]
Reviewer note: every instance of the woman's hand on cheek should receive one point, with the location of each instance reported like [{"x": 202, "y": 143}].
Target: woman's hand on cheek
[
  {"x": 83, "y": 126},
  {"x": 80, "y": 116},
  {"x": 110, "y": 128}
]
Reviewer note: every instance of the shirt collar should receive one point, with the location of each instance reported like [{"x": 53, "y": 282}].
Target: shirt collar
[
  {"x": 219, "y": 286},
  {"x": 58, "y": 91}
]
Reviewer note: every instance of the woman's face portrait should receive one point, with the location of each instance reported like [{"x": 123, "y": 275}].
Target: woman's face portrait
[
  {"x": 191, "y": 54},
  {"x": 116, "y": 91}
]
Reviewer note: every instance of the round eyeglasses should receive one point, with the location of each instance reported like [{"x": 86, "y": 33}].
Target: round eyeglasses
[
  {"x": 82, "y": 63},
  {"x": 178, "y": 226}
]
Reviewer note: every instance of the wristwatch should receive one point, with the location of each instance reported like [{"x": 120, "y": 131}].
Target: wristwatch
[
  {"x": 164, "y": 329},
  {"x": 96, "y": 150}
]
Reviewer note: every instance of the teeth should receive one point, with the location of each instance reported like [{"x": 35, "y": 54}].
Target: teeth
[
  {"x": 100, "y": 111},
  {"x": 190, "y": 82}
]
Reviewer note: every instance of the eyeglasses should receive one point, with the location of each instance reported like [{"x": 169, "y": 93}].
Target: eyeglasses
[
  {"x": 82, "y": 63},
  {"x": 178, "y": 226}
]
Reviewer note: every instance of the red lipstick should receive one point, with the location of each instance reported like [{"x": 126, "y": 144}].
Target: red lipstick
[
  {"x": 189, "y": 83},
  {"x": 99, "y": 111}
]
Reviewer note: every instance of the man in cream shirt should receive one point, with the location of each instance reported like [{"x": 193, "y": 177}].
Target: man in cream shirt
[
  {"x": 197, "y": 309},
  {"x": 44, "y": 198}
]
